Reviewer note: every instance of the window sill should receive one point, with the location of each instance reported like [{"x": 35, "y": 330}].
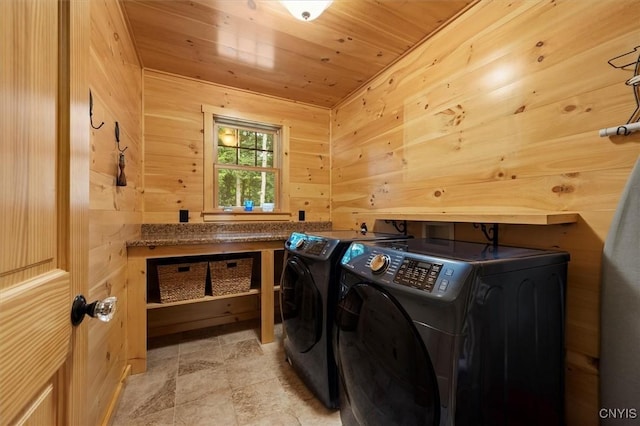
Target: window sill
[{"x": 241, "y": 216}]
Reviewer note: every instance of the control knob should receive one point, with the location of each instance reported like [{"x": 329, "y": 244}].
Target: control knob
[
  {"x": 379, "y": 263},
  {"x": 299, "y": 244}
]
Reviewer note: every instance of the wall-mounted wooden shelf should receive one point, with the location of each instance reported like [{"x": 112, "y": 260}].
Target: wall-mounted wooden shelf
[{"x": 516, "y": 218}]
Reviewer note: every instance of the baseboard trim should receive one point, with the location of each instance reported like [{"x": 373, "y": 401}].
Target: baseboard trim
[{"x": 107, "y": 420}]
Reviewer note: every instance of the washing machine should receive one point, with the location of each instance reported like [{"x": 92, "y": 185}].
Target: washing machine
[
  {"x": 439, "y": 332},
  {"x": 308, "y": 294}
]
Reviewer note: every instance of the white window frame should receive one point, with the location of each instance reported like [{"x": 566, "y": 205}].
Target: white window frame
[{"x": 211, "y": 212}]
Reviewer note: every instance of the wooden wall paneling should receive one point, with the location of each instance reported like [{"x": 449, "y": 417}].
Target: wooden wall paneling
[
  {"x": 136, "y": 320},
  {"x": 500, "y": 111},
  {"x": 107, "y": 345},
  {"x": 106, "y": 196},
  {"x": 173, "y": 163},
  {"x": 106, "y": 226},
  {"x": 174, "y": 129},
  {"x": 581, "y": 401},
  {"x": 115, "y": 80},
  {"x": 561, "y": 192},
  {"x": 105, "y": 259},
  {"x": 104, "y": 149},
  {"x": 310, "y": 175}
]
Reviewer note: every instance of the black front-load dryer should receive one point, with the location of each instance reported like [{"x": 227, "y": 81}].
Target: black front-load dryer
[
  {"x": 308, "y": 294},
  {"x": 449, "y": 333}
]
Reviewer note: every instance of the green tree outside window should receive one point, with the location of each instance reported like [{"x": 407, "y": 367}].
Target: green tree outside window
[{"x": 246, "y": 164}]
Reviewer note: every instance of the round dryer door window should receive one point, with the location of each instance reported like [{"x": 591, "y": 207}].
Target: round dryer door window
[
  {"x": 386, "y": 371},
  {"x": 301, "y": 306}
]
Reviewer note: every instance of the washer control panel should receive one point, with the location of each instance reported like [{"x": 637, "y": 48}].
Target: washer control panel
[
  {"x": 437, "y": 277},
  {"x": 310, "y": 246},
  {"x": 418, "y": 274}
]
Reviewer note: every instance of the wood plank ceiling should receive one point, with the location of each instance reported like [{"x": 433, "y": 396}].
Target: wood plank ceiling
[{"x": 258, "y": 46}]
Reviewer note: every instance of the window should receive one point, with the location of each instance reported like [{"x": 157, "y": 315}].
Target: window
[{"x": 244, "y": 162}]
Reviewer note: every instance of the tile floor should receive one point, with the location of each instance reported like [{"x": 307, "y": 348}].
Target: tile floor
[{"x": 219, "y": 376}]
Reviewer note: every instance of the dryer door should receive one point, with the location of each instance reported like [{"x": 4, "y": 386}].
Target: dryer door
[
  {"x": 386, "y": 372},
  {"x": 301, "y": 305}
]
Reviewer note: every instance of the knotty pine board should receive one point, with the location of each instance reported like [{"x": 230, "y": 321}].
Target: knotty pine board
[
  {"x": 115, "y": 80},
  {"x": 173, "y": 164}
]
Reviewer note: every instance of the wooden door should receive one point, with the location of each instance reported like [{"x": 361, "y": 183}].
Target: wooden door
[{"x": 44, "y": 204}]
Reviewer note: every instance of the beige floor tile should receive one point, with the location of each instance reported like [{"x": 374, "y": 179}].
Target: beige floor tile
[
  {"x": 259, "y": 400},
  {"x": 293, "y": 385},
  {"x": 201, "y": 360},
  {"x": 240, "y": 350},
  {"x": 247, "y": 372},
  {"x": 220, "y": 376},
  {"x": 214, "y": 410},
  {"x": 201, "y": 384},
  {"x": 162, "y": 352},
  {"x": 238, "y": 335},
  {"x": 160, "y": 368},
  {"x": 275, "y": 419},
  {"x": 159, "y": 418},
  {"x": 313, "y": 413},
  {"x": 144, "y": 397},
  {"x": 197, "y": 345}
]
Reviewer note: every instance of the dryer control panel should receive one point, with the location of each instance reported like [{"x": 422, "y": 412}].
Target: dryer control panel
[
  {"x": 418, "y": 274},
  {"x": 429, "y": 275}
]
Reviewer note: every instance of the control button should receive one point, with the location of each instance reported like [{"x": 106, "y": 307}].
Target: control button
[
  {"x": 443, "y": 285},
  {"x": 379, "y": 263},
  {"x": 448, "y": 272},
  {"x": 299, "y": 244}
]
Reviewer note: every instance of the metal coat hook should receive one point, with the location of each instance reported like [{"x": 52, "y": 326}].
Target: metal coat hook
[
  {"x": 122, "y": 178},
  {"x": 91, "y": 112},
  {"x": 117, "y": 132}
]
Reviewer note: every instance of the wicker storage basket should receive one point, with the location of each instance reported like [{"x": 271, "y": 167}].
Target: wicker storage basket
[
  {"x": 182, "y": 281},
  {"x": 230, "y": 276}
]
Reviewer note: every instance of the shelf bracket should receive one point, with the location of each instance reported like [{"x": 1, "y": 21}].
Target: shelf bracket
[
  {"x": 400, "y": 226},
  {"x": 490, "y": 232}
]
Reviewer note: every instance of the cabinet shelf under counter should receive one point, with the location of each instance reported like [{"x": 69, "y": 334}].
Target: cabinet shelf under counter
[
  {"x": 251, "y": 292},
  {"x": 153, "y": 305},
  {"x": 182, "y": 315}
]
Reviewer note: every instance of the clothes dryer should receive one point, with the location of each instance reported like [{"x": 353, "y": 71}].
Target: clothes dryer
[
  {"x": 308, "y": 294},
  {"x": 444, "y": 332}
]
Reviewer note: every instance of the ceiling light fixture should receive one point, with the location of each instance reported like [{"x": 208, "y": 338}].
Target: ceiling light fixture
[
  {"x": 306, "y": 10},
  {"x": 229, "y": 138}
]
